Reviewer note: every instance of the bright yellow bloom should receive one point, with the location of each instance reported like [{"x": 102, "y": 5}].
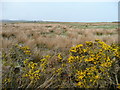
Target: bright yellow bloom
[
  {"x": 59, "y": 56},
  {"x": 71, "y": 59},
  {"x": 89, "y": 59},
  {"x": 80, "y": 45},
  {"x": 97, "y": 77},
  {"x": 80, "y": 84}
]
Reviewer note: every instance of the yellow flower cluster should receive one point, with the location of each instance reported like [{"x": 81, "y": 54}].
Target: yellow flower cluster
[
  {"x": 60, "y": 57},
  {"x": 76, "y": 49},
  {"x": 92, "y": 62},
  {"x": 33, "y": 75},
  {"x": 88, "y": 77},
  {"x": 44, "y": 62},
  {"x": 89, "y": 59},
  {"x": 25, "y": 49},
  {"x": 89, "y": 43},
  {"x": 58, "y": 71},
  {"x": 33, "y": 72}
]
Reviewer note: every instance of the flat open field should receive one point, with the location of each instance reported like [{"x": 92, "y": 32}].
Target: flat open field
[{"x": 57, "y": 35}]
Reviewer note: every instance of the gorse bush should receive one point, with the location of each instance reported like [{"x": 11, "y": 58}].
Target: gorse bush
[
  {"x": 89, "y": 65},
  {"x": 94, "y": 64}
]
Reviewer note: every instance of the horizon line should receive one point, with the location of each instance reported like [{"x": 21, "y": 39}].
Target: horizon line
[{"x": 23, "y": 20}]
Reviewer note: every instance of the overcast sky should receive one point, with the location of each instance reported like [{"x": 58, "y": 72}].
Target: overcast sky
[
  {"x": 60, "y": 0},
  {"x": 61, "y": 11}
]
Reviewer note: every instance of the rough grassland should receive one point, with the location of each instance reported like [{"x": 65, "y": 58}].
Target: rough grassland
[
  {"x": 56, "y": 36},
  {"x": 60, "y": 55}
]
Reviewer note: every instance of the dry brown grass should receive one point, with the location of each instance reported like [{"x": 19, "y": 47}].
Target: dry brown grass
[{"x": 51, "y": 37}]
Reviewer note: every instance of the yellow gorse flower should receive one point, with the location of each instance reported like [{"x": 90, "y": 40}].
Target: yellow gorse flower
[
  {"x": 60, "y": 57},
  {"x": 89, "y": 59}
]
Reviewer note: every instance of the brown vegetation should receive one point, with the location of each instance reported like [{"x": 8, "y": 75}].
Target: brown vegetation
[{"x": 60, "y": 36}]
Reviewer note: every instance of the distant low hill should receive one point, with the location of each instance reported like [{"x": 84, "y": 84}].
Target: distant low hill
[
  {"x": 21, "y": 21},
  {"x": 29, "y": 21}
]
